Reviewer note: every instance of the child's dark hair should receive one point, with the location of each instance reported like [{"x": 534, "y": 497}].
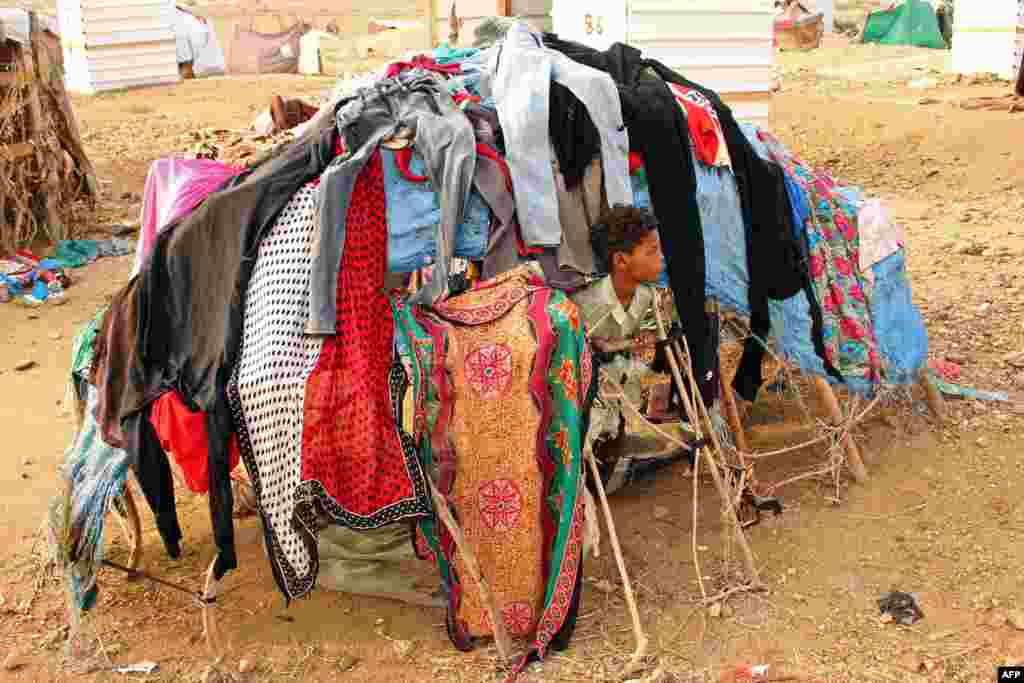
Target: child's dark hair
[{"x": 619, "y": 229}]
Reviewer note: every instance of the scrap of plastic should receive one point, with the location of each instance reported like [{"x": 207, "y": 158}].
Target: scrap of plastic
[
  {"x": 902, "y": 606},
  {"x": 140, "y": 668}
]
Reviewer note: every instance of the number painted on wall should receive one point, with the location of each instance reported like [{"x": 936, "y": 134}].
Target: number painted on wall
[{"x": 593, "y": 24}]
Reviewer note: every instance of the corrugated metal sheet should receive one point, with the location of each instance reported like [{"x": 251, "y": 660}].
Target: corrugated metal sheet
[
  {"x": 115, "y": 44},
  {"x": 725, "y": 45},
  {"x": 471, "y": 12},
  {"x": 988, "y": 37}
]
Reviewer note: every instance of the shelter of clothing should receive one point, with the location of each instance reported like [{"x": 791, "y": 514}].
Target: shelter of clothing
[
  {"x": 443, "y": 136},
  {"x": 505, "y": 440},
  {"x": 178, "y": 324}
]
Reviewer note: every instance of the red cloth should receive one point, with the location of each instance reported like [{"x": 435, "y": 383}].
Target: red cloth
[
  {"x": 705, "y": 128},
  {"x": 183, "y": 434},
  {"x": 422, "y": 62},
  {"x": 352, "y": 457},
  {"x": 636, "y": 162}
]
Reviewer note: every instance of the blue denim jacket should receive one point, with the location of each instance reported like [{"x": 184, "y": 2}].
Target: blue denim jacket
[{"x": 414, "y": 217}]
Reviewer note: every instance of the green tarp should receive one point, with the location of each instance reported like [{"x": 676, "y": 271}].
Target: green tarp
[{"x": 912, "y": 23}]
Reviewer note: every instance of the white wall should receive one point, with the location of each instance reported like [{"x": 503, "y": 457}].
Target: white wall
[{"x": 114, "y": 44}]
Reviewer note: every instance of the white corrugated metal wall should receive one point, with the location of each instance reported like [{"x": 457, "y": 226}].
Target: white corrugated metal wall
[
  {"x": 725, "y": 45},
  {"x": 988, "y": 37},
  {"x": 116, "y": 44}
]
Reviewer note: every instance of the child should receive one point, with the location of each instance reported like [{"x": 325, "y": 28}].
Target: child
[{"x": 619, "y": 310}]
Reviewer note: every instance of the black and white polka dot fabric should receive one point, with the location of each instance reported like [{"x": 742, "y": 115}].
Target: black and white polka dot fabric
[{"x": 268, "y": 390}]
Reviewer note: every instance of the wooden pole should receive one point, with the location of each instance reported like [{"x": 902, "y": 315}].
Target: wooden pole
[
  {"x": 636, "y": 660},
  {"x": 936, "y": 403},
  {"x": 501, "y": 637},
  {"x": 732, "y": 413},
  {"x": 691, "y": 403},
  {"x": 453, "y": 26},
  {"x": 835, "y": 414},
  {"x": 426, "y": 10}
]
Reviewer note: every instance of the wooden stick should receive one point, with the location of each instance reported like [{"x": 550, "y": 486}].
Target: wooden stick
[
  {"x": 732, "y": 414},
  {"x": 691, "y": 401},
  {"x": 134, "y": 527},
  {"x": 716, "y": 475},
  {"x": 636, "y": 661},
  {"x": 835, "y": 414},
  {"x": 210, "y": 592},
  {"x": 501, "y": 636},
  {"x": 936, "y": 404}
]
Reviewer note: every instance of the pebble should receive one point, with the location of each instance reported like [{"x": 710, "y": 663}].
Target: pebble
[
  {"x": 404, "y": 648},
  {"x": 605, "y": 586},
  {"x": 1016, "y": 619},
  {"x": 24, "y": 365},
  {"x": 14, "y": 660},
  {"x": 661, "y": 512},
  {"x": 347, "y": 663},
  {"x": 55, "y": 336},
  {"x": 244, "y": 666}
]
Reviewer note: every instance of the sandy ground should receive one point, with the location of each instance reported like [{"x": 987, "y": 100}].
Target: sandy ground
[{"x": 941, "y": 516}]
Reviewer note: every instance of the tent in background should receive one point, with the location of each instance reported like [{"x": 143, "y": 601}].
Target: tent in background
[
  {"x": 253, "y": 52},
  {"x": 199, "y": 52},
  {"x": 911, "y": 23}
]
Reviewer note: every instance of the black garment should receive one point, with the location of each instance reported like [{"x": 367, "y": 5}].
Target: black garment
[
  {"x": 1020, "y": 80},
  {"x": 187, "y": 304},
  {"x": 573, "y": 135},
  {"x": 775, "y": 264},
  {"x": 659, "y": 132},
  {"x": 153, "y": 472}
]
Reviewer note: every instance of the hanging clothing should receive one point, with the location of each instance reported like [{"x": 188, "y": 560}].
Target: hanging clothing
[
  {"x": 174, "y": 187},
  {"x": 574, "y": 136},
  {"x": 414, "y": 216},
  {"x": 851, "y": 346},
  {"x": 578, "y": 209},
  {"x": 95, "y": 474},
  {"x": 506, "y": 449},
  {"x": 443, "y": 136},
  {"x": 523, "y": 72},
  {"x": 183, "y": 434},
  {"x": 267, "y": 393},
  {"x": 705, "y": 129},
  {"x": 356, "y": 467}
]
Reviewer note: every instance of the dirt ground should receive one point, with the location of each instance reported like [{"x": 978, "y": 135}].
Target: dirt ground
[{"x": 940, "y": 517}]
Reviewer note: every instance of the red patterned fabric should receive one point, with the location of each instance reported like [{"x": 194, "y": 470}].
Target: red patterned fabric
[{"x": 349, "y": 442}]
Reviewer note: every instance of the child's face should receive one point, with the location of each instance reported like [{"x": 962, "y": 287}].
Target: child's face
[{"x": 645, "y": 262}]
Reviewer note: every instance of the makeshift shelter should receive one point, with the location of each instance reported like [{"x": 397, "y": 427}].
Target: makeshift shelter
[
  {"x": 376, "y": 317},
  {"x": 199, "y": 52},
  {"x": 44, "y": 170},
  {"x": 911, "y": 22},
  {"x": 253, "y": 52}
]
